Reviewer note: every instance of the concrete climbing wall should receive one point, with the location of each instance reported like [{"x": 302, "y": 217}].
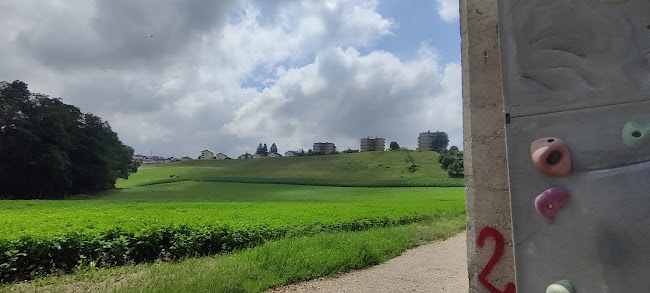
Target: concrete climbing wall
[
  {"x": 489, "y": 240},
  {"x": 576, "y": 88}
]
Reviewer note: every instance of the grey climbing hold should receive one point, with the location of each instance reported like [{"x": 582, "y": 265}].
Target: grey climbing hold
[{"x": 561, "y": 286}]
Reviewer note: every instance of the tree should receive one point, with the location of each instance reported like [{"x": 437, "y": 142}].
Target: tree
[
  {"x": 260, "y": 149},
  {"x": 310, "y": 152},
  {"x": 453, "y": 150},
  {"x": 456, "y": 169},
  {"x": 265, "y": 150},
  {"x": 440, "y": 141},
  {"x": 446, "y": 159},
  {"x": 394, "y": 146},
  {"x": 49, "y": 149},
  {"x": 274, "y": 149}
]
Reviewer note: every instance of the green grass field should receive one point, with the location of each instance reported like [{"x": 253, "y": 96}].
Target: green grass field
[
  {"x": 368, "y": 169},
  {"x": 287, "y": 207},
  {"x": 199, "y": 212}
]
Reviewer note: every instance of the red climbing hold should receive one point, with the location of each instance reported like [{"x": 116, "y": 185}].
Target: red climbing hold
[{"x": 549, "y": 202}]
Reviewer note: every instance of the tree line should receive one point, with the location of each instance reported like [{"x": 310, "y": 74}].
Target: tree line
[{"x": 49, "y": 149}]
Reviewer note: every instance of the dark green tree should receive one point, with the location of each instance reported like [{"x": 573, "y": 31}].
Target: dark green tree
[
  {"x": 265, "y": 150},
  {"x": 49, "y": 149},
  {"x": 440, "y": 141},
  {"x": 456, "y": 169},
  {"x": 446, "y": 159},
  {"x": 453, "y": 150},
  {"x": 274, "y": 148},
  {"x": 394, "y": 146}
]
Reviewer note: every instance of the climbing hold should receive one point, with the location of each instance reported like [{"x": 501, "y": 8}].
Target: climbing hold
[
  {"x": 636, "y": 135},
  {"x": 549, "y": 202},
  {"x": 561, "y": 286},
  {"x": 551, "y": 156}
]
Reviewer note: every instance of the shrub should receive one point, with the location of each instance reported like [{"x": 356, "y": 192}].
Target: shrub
[{"x": 31, "y": 257}]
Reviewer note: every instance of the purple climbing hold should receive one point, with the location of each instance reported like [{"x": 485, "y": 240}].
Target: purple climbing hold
[{"x": 549, "y": 202}]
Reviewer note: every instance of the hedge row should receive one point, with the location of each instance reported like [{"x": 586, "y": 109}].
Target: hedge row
[{"x": 30, "y": 257}]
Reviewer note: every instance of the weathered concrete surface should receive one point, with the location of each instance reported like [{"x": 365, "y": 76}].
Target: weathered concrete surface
[{"x": 486, "y": 176}]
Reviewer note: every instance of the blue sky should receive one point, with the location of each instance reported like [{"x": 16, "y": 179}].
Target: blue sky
[
  {"x": 418, "y": 21},
  {"x": 177, "y": 77}
]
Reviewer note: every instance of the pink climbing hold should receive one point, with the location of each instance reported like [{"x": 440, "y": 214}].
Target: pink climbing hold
[
  {"x": 551, "y": 156},
  {"x": 549, "y": 202}
]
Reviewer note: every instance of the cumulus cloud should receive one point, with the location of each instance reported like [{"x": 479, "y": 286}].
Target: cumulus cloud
[
  {"x": 448, "y": 10},
  {"x": 176, "y": 77},
  {"x": 344, "y": 95}
]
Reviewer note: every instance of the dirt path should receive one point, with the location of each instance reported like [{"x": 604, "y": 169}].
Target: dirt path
[{"x": 436, "y": 267}]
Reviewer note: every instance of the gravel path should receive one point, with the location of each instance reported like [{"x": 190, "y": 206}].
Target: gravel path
[{"x": 435, "y": 267}]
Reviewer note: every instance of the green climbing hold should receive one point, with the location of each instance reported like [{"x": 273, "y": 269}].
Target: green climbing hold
[
  {"x": 561, "y": 286},
  {"x": 636, "y": 135}
]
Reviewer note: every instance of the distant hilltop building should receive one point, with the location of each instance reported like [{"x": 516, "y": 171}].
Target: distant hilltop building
[
  {"x": 425, "y": 140},
  {"x": 324, "y": 148},
  {"x": 146, "y": 160},
  {"x": 245, "y": 156},
  {"x": 372, "y": 144},
  {"x": 274, "y": 155},
  {"x": 206, "y": 155}
]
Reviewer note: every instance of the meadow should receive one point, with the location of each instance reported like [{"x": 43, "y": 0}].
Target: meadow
[
  {"x": 367, "y": 169},
  {"x": 175, "y": 211}
]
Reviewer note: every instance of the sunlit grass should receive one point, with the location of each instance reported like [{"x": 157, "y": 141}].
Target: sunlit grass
[{"x": 273, "y": 264}]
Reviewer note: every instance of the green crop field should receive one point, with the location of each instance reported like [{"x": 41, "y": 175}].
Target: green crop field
[
  {"x": 288, "y": 207},
  {"x": 368, "y": 169},
  {"x": 188, "y": 209}
]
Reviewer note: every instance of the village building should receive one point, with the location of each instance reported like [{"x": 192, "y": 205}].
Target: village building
[
  {"x": 206, "y": 155},
  {"x": 372, "y": 144},
  {"x": 323, "y": 148}
]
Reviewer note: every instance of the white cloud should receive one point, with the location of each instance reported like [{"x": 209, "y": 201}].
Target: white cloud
[
  {"x": 186, "y": 89},
  {"x": 448, "y": 10},
  {"x": 343, "y": 96}
]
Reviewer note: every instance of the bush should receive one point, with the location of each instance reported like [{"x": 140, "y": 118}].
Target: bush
[
  {"x": 452, "y": 162},
  {"x": 31, "y": 257}
]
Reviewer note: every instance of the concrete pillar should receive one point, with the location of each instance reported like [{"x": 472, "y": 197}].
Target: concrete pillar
[{"x": 486, "y": 175}]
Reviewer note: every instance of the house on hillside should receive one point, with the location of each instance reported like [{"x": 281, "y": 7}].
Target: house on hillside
[
  {"x": 245, "y": 156},
  {"x": 257, "y": 156},
  {"x": 186, "y": 159},
  {"x": 274, "y": 155},
  {"x": 220, "y": 156},
  {"x": 148, "y": 162},
  {"x": 291, "y": 153},
  {"x": 206, "y": 155}
]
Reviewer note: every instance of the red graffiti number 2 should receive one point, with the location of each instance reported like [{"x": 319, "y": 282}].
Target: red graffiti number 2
[{"x": 488, "y": 232}]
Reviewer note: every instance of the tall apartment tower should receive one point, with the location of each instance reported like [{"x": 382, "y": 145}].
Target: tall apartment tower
[
  {"x": 324, "y": 148},
  {"x": 425, "y": 139},
  {"x": 372, "y": 144}
]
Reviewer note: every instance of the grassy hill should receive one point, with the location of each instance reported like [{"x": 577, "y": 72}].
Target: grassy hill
[{"x": 368, "y": 169}]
